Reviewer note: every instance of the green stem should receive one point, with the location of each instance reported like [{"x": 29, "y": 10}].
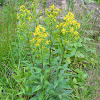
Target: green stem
[
  {"x": 50, "y": 44},
  {"x": 43, "y": 93},
  {"x": 50, "y": 52},
  {"x": 42, "y": 61},
  {"x": 29, "y": 49},
  {"x": 62, "y": 47}
]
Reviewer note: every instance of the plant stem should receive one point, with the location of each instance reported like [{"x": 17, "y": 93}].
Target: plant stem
[
  {"x": 29, "y": 49},
  {"x": 42, "y": 61},
  {"x": 50, "y": 44}
]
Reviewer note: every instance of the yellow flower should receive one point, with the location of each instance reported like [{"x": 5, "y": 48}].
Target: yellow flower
[
  {"x": 52, "y": 6},
  {"x": 40, "y": 36},
  {"x": 39, "y": 40},
  {"x": 40, "y": 17},
  {"x": 47, "y": 11},
  {"x": 35, "y": 34},
  {"x": 55, "y": 20},
  {"x": 43, "y": 28},
  {"x": 21, "y": 7},
  {"x": 42, "y": 47},
  {"x": 78, "y": 36},
  {"x": 55, "y": 13},
  {"x": 61, "y": 24},
  {"x": 71, "y": 29},
  {"x": 63, "y": 31},
  {"x": 18, "y": 16},
  {"x": 64, "y": 25},
  {"x": 57, "y": 26},
  {"x": 46, "y": 34},
  {"x": 67, "y": 23},
  {"x": 48, "y": 41},
  {"x": 71, "y": 17},
  {"x": 75, "y": 38},
  {"x": 50, "y": 16},
  {"x": 32, "y": 40},
  {"x": 65, "y": 41},
  {"x": 76, "y": 33},
  {"x": 74, "y": 22},
  {"x": 28, "y": 11},
  {"x": 37, "y": 44},
  {"x": 32, "y": 4},
  {"x": 71, "y": 14},
  {"x": 66, "y": 17},
  {"x": 70, "y": 21},
  {"x": 57, "y": 9},
  {"x": 20, "y": 10},
  {"x": 78, "y": 25},
  {"x": 29, "y": 18}
]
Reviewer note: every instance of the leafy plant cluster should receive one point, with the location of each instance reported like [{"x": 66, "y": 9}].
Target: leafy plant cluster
[{"x": 46, "y": 58}]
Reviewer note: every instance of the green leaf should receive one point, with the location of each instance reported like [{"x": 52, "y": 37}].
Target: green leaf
[
  {"x": 41, "y": 78},
  {"x": 84, "y": 76},
  {"x": 39, "y": 95},
  {"x": 36, "y": 88},
  {"x": 55, "y": 52},
  {"x": 21, "y": 99},
  {"x": 75, "y": 81},
  {"x": 66, "y": 80},
  {"x": 79, "y": 55},
  {"x": 7, "y": 98},
  {"x": 90, "y": 1},
  {"x": 34, "y": 98},
  {"x": 67, "y": 92},
  {"x": 19, "y": 93},
  {"x": 75, "y": 86},
  {"x": 55, "y": 83},
  {"x": 38, "y": 70},
  {"x": 79, "y": 44},
  {"x": 52, "y": 92},
  {"x": 65, "y": 86},
  {"x": 72, "y": 54},
  {"x": 0, "y": 90},
  {"x": 46, "y": 82}
]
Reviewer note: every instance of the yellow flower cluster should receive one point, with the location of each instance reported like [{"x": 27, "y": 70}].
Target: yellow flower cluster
[
  {"x": 22, "y": 6},
  {"x": 68, "y": 28},
  {"x": 70, "y": 20},
  {"x": 40, "y": 36},
  {"x": 63, "y": 31},
  {"x": 76, "y": 35},
  {"x": 24, "y": 12},
  {"x": 52, "y": 14},
  {"x": 52, "y": 6},
  {"x": 69, "y": 16},
  {"x": 34, "y": 3}
]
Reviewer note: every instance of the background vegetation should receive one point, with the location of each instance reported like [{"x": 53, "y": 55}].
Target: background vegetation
[{"x": 59, "y": 67}]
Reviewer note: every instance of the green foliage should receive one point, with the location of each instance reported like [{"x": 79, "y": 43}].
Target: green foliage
[
  {"x": 1, "y": 2},
  {"x": 93, "y": 1},
  {"x": 70, "y": 4},
  {"x": 7, "y": 26},
  {"x": 98, "y": 1},
  {"x": 45, "y": 59}
]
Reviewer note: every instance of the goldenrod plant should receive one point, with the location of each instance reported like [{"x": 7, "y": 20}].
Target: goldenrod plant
[{"x": 48, "y": 50}]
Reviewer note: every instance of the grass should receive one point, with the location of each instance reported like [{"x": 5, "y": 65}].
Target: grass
[{"x": 15, "y": 56}]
